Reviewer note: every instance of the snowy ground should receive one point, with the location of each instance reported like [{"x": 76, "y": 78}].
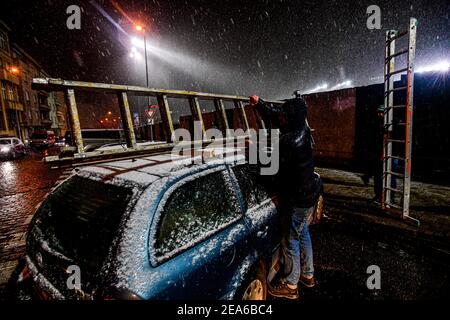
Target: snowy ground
[{"x": 414, "y": 261}]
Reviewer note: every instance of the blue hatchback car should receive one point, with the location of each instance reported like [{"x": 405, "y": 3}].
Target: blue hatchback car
[{"x": 154, "y": 228}]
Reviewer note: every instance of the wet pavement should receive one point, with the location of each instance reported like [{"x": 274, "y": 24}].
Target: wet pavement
[
  {"x": 23, "y": 184},
  {"x": 414, "y": 261}
]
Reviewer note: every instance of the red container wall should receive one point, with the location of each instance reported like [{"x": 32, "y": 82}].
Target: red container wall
[{"x": 332, "y": 116}]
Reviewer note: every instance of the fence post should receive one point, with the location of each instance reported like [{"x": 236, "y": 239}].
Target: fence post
[
  {"x": 218, "y": 104},
  {"x": 75, "y": 120},
  {"x": 196, "y": 112},
  {"x": 238, "y": 104},
  {"x": 166, "y": 116},
  {"x": 127, "y": 121}
]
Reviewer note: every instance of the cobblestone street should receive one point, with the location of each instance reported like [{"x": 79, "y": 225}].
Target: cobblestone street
[{"x": 24, "y": 183}]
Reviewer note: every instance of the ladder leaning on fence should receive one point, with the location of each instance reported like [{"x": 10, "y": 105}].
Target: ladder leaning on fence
[{"x": 398, "y": 121}]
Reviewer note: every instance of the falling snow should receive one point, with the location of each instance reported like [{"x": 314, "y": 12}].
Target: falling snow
[{"x": 271, "y": 48}]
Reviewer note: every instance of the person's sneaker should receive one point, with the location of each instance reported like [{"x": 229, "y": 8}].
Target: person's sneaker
[
  {"x": 307, "y": 282},
  {"x": 376, "y": 201},
  {"x": 281, "y": 290}
]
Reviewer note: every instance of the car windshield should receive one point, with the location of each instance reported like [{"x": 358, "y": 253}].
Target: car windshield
[
  {"x": 81, "y": 218},
  {"x": 39, "y": 136},
  {"x": 5, "y": 141}
]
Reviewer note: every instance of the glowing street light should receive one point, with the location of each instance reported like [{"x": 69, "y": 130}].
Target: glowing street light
[
  {"x": 135, "y": 53},
  {"x": 136, "y": 43},
  {"x": 344, "y": 84},
  {"x": 14, "y": 70},
  {"x": 441, "y": 66},
  {"x": 319, "y": 88}
]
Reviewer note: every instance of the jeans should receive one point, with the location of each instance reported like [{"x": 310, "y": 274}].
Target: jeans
[{"x": 298, "y": 246}]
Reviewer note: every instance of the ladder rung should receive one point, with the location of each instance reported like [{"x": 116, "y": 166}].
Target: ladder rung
[
  {"x": 396, "y": 157},
  {"x": 396, "y": 106},
  {"x": 393, "y": 190},
  {"x": 392, "y": 205},
  {"x": 395, "y": 140},
  {"x": 396, "y": 89},
  {"x": 387, "y": 125},
  {"x": 394, "y": 173},
  {"x": 396, "y": 54},
  {"x": 395, "y": 72},
  {"x": 397, "y": 36}
]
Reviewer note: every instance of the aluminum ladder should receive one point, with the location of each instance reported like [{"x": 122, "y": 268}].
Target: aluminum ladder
[{"x": 398, "y": 122}]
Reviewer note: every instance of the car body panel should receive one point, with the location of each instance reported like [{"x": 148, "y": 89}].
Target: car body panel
[
  {"x": 212, "y": 267},
  {"x": 42, "y": 139},
  {"x": 10, "y": 147}
]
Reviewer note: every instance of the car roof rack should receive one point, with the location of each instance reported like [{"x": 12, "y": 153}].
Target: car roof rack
[{"x": 133, "y": 150}]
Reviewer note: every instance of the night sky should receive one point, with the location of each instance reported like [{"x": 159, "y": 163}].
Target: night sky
[{"x": 244, "y": 47}]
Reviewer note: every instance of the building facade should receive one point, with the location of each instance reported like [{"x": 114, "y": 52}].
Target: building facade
[
  {"x": 11, "y": 108},
  {"x": 24, "y": 110}
]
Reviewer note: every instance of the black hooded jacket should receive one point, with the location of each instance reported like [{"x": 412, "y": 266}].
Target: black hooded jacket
[{"x": 296, "y": 181}]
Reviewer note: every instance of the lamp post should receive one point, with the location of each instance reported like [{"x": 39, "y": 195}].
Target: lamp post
[
  {"x": 15, "y": 72},
  {"x": 140, "y": 28}
]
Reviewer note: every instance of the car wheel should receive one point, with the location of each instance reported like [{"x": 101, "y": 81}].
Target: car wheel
[{"x": 255, "y": 288}]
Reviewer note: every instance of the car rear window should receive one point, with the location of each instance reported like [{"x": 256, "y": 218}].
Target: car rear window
[
  {"x": 81, "y": 218},
  {"x": 252, "y": 190},
  {"x": 194, "y": 211}
]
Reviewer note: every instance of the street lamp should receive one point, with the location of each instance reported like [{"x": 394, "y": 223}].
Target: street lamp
[
  {"x": 15, "y": 71},
  {"x": 140, "y": 28}
]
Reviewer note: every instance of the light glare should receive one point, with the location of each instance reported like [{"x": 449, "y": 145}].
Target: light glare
[{"x": 441, "y": 66}]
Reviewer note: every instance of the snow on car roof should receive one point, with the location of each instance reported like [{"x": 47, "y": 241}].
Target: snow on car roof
[{"x": 145, "y": 170}]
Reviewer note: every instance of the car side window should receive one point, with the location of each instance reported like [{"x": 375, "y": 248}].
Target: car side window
[
  {"x": 254, "y": 192},
  {"x": 261, "y": 191},
  {"x": 193, "y": 211},
  {"x": 246, "y": 184}
]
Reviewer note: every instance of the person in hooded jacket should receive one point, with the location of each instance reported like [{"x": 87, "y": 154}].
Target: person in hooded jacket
[{"x": 298, "y": 190}]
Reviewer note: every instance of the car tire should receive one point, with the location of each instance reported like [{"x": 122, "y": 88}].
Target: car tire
[{"x": 255, "y": 287}]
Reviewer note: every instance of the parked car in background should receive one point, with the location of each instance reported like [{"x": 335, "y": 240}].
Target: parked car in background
[
  {"x": 11, "y": 148},
  {"x": 42, "y": 139},
  {"x": 60, "y": 142},
  {"x": 154, "y": 228}
]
